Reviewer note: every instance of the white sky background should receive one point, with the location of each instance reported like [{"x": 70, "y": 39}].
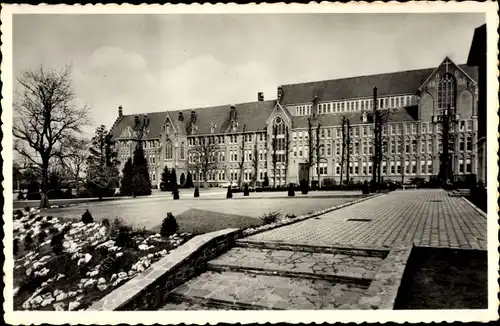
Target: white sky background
[{"x": 162, "y": 62}]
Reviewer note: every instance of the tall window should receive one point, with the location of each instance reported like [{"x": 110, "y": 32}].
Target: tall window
[
  {"x": 168, "y": 150},
  {"x": 446, "y": 92},
  {"x": 182, "y": 151},
  {"x": 279, "y": 131}
]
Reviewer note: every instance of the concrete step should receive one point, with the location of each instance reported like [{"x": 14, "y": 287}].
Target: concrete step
[
  {"x": 379, "y": 252},
  {"x": 247, "y": 291},
  {"x": 308, "y": 265}
]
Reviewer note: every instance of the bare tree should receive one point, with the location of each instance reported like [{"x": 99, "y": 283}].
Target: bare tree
[
  {"x": 310, "y": 149},
  {"x": 255, "y": 162},
  {"x": 76, "y": 160},
  {"x": 380, "y": 119},
  {"x": 242, "y": 158},
  {"x": 318, "y": 148},
  {"x": 287, "y": 152},
  {"x": 204, "y": 155},
  {"x": 346, "y": 147},
  {"x": 447, "y": 121},
  {"x": 45, "y": 117}
]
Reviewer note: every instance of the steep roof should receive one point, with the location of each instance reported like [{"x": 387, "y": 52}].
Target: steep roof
[
  {"x": 477, "y": 51},
  {"x": 402, "y": 82},
  {"x": 331, "y": 120},
  {"x": 252, "y": 115}
]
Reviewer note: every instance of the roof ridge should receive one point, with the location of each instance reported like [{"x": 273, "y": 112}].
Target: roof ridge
[{"x": 364, "y": 76}]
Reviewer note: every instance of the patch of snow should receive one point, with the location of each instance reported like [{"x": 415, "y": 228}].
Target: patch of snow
[
  {"x": 73, "y": 305},
  {"x": 119, "y": 254},
  {"x": 61, "y": 296}
]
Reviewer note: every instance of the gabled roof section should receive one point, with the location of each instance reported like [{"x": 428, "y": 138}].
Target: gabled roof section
[
  {"x": 394, "y": 83},
  {"x": 447, "y": 61},
  {"x": 281, "y": 108},
  {"x": 477, "y": 51},
  {"x": 253, "y": 115}
]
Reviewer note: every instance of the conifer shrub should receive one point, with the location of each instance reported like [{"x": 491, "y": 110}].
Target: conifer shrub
[
  {"x": 20, "y": 196},
  {"x": 291, "y": 190},
  {"x": 246, "y": 192},
  {"x": 229, "y": 193},
  {"x": 189, "y": 181},
  {"x": 18, "y": 214},
  {"x": 87, "y": 217},
  {"x": 196, "y": 192},
  {"x": 169, "y": 225}
]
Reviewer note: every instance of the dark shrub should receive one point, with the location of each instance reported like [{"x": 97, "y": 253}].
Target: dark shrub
[
  {"x": 229, "y": 193},
  {"x": 304, "y": 187},
  {"x": 246, "y": 192},
  {"x": 87, "y": 217},
  {"x": 38, "y": 218},
  {"x": 45, "y": 225},
  {"x": 106, "y": 223},
  {"x": 258, "y": 190},
  {"x": 57, "y": 243},
  {"x": 196, "y": 192},
  {"x": 291, "y": 190},
  {"x": 124, "y": 238},
  {"x": 328, "y": 182},
  {"x": 271, "y": 217},
  {"x": 53, "y": 231},
  {"x": 18, "y": 214},
  {"x": 182, "y": 180},
  {"x": 16, "y": 246},
  {"x": 169, "y": 225},
  {"x": 291, "y": 216},
  {"x": 314, "y": 185},
  {"x": 20, "y": 196},
  {"x": 33, "y": 191},
  {"x": 189, "y": 181},
  {"x": 28, "y": 242},
  {"x": 41, "y": 237}
]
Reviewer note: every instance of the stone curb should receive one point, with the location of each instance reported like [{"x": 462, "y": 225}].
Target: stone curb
[
  {"x": 483, "y": 214},
  {"x": 149, "y": 289},
  {"x": 383, "y": 290},
  {"x": 253, "y": 231}
]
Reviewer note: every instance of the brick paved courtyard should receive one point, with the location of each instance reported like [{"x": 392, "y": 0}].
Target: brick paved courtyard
[{"x": 425, "y": 217}]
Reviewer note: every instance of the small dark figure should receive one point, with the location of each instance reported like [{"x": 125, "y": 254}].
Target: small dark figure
[
  {"x": 304, "y": 187},
  {"x": 87, "y": 217},
  {"x": 291, "y": 191},
  {"x": 175, "y": 192},
  {"x": 229, "y": 193},
  {"x": 246, "y": 192},
  {"x": 196, "y": 192}
]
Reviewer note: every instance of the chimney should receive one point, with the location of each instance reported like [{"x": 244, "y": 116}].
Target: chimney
[
  {"x": 260, "y": 96},
  {"x": 193, "y": 117},
  {"x": 232, "y": 113},
  {"x": 145, "y": 120},
  {"x": 280, "y": 93},
  {"x": 120, "y": 111},
  {"x": 180, "y": 117},
  {"x": 136, "y": 120}
]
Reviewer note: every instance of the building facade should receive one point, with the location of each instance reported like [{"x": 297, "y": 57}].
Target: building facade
[{"x": 250, "y": 140}]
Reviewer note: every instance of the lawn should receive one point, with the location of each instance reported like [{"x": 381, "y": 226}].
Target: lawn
[
  {"x": 68, "y": 265},
  {"x": 438, "y": 278}
]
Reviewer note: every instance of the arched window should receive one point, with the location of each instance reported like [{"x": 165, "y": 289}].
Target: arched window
[
  {"x": 182, "y": 151},
  {"x": 168, "y": 150},
  {"x": 446, "y": 92},
  {"x": 278, "y": 138}
]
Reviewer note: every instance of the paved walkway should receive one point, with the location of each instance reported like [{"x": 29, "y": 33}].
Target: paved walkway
[{"x": 426, "y": 217}]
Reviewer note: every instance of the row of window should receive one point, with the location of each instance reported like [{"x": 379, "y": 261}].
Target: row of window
[{"x": 357, "y": 105}]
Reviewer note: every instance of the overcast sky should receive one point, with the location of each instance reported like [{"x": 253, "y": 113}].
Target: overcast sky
[{"x": 163, "y": 62}]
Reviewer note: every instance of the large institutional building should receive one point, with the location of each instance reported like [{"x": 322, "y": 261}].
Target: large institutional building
[{"x": 413, "y": 133}]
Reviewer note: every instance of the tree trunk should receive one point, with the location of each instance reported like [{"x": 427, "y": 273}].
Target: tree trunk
[{"x": 44, "y": 195}]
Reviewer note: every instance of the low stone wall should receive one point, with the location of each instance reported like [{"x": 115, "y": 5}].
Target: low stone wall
[
  {"x": 384, "y": 288},
  {"x": 150, "y": 289}
]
